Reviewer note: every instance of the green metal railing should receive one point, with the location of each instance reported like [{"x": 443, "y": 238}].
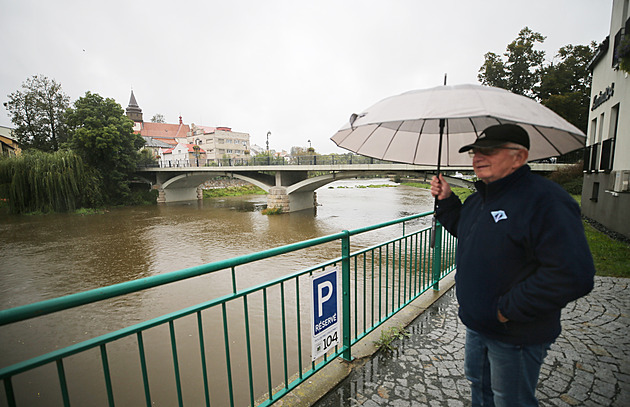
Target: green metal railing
[{"x": 253, "y": 344}]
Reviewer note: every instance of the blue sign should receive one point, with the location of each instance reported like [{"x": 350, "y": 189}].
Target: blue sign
[{"x": 325, "y": 313}]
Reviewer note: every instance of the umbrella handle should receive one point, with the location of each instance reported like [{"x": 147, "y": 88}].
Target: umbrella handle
[{"x": 439, "y": 161}]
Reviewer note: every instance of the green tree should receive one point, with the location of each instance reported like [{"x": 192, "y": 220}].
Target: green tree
[
  {"x": 565, "y": 84},
  {"x": 103, "y": 136},
  {"x": 562, "y": 85},
  {"x": 521, "y": 70},
  {"x": 37, "y": 111},
  {"x": 524, "y": 63},
  {"x": 493, "y": 71},
  {"x": 158, "y": 118}
]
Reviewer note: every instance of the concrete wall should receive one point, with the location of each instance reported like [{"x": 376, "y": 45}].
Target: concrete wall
[{"x": 609, "y": 208}]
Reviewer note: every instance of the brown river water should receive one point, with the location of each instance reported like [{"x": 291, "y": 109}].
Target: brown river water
[{"x": 43, "y": 257}]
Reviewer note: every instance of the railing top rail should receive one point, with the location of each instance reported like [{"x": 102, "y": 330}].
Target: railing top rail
[{"x": 45, "y": 307}]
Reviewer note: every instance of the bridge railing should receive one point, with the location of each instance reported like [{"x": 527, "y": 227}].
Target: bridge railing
[
  {"x": 253, "y": 344},
  {"x": 331, "y": 159}
]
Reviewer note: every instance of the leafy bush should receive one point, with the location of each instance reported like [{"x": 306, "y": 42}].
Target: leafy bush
[
  {"x": 570, "y": 178},
  {"x": 272, "y": 211}
]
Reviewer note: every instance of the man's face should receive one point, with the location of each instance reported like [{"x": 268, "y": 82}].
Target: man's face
[{"x": 493, "y": 164}]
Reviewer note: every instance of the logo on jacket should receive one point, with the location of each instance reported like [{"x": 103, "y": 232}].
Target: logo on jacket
[{"x": 498, "y": 215}]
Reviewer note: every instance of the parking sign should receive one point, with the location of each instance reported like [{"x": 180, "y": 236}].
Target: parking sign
[{"x": 325, "y": 312}]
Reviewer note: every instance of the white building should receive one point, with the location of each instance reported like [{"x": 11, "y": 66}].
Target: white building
[
  {"x": 606, "y": 189},
  {"x": 182, "y": 155},
  {"x": 221, "y": 142}
]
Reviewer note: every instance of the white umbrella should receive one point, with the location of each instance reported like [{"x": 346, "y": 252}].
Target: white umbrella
[
  {"x": 406, "y": 128},
  {"x": 410, "y": 127}
]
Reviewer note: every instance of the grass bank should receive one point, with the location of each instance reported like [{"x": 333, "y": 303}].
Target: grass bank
[
  {"x": 611, "y": 257},
  {"x": 461, "y": 192},
  {"x": 233, "y": 191}
]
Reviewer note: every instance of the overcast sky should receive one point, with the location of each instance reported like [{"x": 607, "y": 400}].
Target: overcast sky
[{"x": 297, "y": 69}]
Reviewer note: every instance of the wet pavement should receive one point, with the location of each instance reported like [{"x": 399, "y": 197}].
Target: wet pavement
[{"x": 588, "y": 365}]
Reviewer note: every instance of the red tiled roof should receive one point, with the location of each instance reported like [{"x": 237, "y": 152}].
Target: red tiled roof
[{"x": 164, "y": 130}]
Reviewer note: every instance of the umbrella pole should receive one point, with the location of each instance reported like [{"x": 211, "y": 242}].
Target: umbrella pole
[{"x": 439, "y": 161}]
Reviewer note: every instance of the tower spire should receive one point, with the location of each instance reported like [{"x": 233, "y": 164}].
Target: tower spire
[{"x": 133, "y": 111}]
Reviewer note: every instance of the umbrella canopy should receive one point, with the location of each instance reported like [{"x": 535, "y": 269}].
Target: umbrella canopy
[{"x": 406, "y": 128}]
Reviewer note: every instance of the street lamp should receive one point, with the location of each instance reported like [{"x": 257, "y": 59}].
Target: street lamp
[
  {"x": 268, "y": 134},
  {"x": 268, "y": 154},
  {"x": 196, "y": 149}
]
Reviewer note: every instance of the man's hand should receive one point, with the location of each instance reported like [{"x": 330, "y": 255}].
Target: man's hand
[{"x": 440, "y": 188}]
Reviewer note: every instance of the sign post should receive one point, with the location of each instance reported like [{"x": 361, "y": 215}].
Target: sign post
[{"x": 325, "y": 312}]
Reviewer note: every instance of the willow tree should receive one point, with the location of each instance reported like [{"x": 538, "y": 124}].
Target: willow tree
[
  {"x": 103, "y": 136},
  {"x": 37, "y": 181}
]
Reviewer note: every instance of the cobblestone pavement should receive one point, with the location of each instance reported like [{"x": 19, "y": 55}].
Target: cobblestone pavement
[{"x": 588, "y": 365}]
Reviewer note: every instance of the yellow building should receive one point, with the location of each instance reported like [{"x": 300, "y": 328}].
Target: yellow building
[{"x": 8, "y": 144}]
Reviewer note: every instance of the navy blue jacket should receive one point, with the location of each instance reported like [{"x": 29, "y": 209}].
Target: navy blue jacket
[{"x": 522, "y": 250}]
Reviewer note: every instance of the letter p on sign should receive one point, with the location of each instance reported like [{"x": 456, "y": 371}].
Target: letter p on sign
[{"x": 322, "y": 298}]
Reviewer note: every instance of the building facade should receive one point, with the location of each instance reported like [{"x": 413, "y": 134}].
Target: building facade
[
  {"x": 8, "y": 144},
  {"x": 606, "y": 189},
  {"x": 221, "y": 143}
]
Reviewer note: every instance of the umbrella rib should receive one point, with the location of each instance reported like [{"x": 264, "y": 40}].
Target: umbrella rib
[
  {"x": 415, "y": 153},
  {"x": 546, "y": 139},
  {"x": 367, "y": 138},
  {"x": 392, "y": 139},
  {"x": 473, "y": 126}
]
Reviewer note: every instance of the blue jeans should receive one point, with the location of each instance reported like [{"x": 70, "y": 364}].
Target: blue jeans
[{"x": 501, "y": 374}]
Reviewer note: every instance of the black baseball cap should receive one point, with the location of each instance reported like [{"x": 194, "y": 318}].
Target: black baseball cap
[{"x": 499, "y": 135}]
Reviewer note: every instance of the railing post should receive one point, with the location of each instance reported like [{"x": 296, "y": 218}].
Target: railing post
[
  {"x": 437, "y": 256},
  {"x": 345, "y": 294}
]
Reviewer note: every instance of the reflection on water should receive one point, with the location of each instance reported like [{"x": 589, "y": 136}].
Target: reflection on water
[{"x": 43, "y": 257}]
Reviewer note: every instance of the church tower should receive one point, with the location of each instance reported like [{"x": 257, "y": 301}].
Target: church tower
[{"x": 133, "y": 110}]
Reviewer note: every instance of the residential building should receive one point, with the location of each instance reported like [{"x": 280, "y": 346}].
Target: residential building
[
  {"x": 182, "y": 155},
  {"x": 8, "y": 145},
  {"x": 154, "y": 145},
  {"x": 606, "y": 189},
  {"x": 221, "y": 142}
]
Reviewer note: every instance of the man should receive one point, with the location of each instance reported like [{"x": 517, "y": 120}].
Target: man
[{"x": 521, "y": 257}]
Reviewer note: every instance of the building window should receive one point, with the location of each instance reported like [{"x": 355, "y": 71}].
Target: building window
[
  {"x": 614, "y": 121},
  {"x": 608, "y": 147},
  {"x": 587, "y": 159},
  {"x": 593, "y": 134},
  {"x": 595, "y": 192},
  {"x": 594, "y": 155},
  {"x": 617, "y": 40}
]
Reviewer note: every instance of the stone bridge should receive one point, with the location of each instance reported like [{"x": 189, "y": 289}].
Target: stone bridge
[{"x": 288, "y": 186}]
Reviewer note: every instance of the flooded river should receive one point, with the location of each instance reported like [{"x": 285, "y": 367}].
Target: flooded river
[{"x": 43, "y": 257}]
